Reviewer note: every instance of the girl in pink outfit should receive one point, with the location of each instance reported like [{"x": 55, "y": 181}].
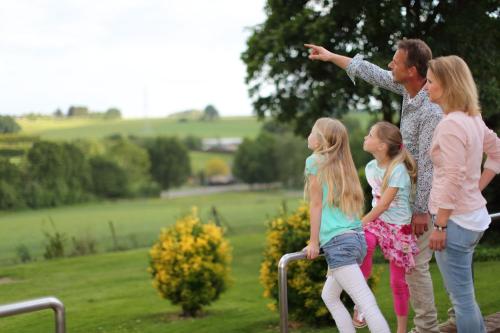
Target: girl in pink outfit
[
  {"x": 457, "y": 207},
  {"x": 390, "y": 175}
]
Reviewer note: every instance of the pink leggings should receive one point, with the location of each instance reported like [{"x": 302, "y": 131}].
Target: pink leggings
[{"x": 400, "y": 292}]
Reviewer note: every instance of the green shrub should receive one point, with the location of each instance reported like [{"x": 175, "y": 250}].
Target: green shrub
[
  {"x": 83, "y": 245},
  {"x": 287, "y": 234},
  {"x": 8, "y": 125},
  {"x": 190, "y": 263},
  {"x": 54, "y": 248},
  {"x": 23, "y": 253}
]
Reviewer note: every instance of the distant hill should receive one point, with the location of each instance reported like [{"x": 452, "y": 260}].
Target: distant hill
[
  {"x": 88, "y": 128},
  {"x": 188, "y": 115}
]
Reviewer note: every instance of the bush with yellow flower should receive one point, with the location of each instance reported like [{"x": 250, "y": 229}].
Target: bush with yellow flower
[
  {"x": 190, "y": 263},
  {"x": 289, "y": 233}
]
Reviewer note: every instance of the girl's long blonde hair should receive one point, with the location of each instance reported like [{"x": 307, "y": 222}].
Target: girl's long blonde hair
[
  {"x": 459, "y": 88},
  {"x": 391, "y": 136},
  {"x": 336, "y": 168}
]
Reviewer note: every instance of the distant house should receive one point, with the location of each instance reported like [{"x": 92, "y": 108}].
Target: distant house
[{"x": 229, "y": 145}]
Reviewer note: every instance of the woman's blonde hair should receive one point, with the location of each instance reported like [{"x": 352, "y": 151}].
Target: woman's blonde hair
[
  {"x": 391, "y": 135},
  {"x": 336, "y": 168},
  {"x": 459, "y": 88}
]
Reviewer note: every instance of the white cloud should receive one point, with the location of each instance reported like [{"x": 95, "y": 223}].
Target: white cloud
[{"x": 185, "y": 54}]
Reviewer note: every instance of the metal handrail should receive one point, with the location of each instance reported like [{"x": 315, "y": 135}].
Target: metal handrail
[
  {"x": 282, "y": 280},
  {"x": 37, "y": 305}
]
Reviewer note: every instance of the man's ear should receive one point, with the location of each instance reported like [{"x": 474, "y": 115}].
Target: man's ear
[{"x": 413, "y": 71}]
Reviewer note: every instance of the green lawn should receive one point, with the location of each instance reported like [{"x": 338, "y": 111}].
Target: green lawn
[
  {"x": 67, "y": 129},
  {"x": 136, "y": 221},
  {"x": 113, "y": 293}
]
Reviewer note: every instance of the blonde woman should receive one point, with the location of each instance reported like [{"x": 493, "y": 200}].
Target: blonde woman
[
  {"x": 336, "y": 203},
  {"x": 458, "y": 208}
]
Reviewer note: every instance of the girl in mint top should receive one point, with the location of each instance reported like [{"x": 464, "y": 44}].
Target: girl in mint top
[
  {"x": 390, "y": 176},
  {"x": 336, "y": 203},
  {"x": 333, "y": 221}
]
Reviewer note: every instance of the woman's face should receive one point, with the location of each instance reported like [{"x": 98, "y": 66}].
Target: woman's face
[{"x": 434, "y": 88}]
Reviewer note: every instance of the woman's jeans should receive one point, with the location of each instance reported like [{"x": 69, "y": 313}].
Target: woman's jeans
[{"x": 455, "y": 264}]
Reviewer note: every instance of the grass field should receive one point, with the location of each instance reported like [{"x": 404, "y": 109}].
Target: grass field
[
  {"x": 67, "y": 129},
  {"x": 72, "y": 128},
  {"x": 112, "y": 292},
  {"x": 136, "y": 221}
]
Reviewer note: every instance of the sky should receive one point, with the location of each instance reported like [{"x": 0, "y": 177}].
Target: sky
[{"x": 149, "y": 58}]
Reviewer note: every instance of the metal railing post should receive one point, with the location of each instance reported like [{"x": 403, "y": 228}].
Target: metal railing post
[
  {"x": 283, "y": 287},
  {"x": 36, "y": 305},
  {"x": 282, "y": 280}
]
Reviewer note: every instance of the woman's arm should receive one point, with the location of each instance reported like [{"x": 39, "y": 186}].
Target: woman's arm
[
  {"x": 486, "y": 177},
  {"x": 382, "y": 205},
  {"x": 315, "y": 208},
  {"x": 437, "y": 240},
  {"x": 491, "y": 146}
]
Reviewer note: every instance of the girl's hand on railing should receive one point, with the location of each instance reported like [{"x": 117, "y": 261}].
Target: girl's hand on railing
[{"x": 312, "y": 250}]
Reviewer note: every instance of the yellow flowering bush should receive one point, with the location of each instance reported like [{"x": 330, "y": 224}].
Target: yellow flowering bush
[
  {"x": 190, "y": 263},
  {"x": 290, "y": 233}
]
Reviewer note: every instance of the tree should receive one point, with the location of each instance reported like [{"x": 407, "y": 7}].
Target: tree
[
  {"x": 78, "y": 111},
  {"x": 210, "y": 113},
  {"x": 113, "y": 113},
  {"x": 46, "y": 171},
  {"x": 77, "y": 173},
  {"x": 8, "y": 125},
  {"x": 170, "y": 164},
  {"x": 110, "y": 181},
  {"x": 255, "y": 160},
  {"x": 58, "y": 113},
  {"x": 291, "y": 153},
  {"x": 11, "y": 184},
  {"x": 132, "y": 159},
  {"x": 285, "y": 84}
]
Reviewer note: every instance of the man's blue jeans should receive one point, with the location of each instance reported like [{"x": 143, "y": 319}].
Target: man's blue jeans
[{"x": 455, "y": 264}]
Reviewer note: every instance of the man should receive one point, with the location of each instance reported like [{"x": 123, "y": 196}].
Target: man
[{"x": 419, "y": 118}]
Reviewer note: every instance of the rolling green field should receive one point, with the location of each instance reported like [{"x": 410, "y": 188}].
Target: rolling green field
[
  {"x": 73, "y": 128},
  {"x": 137, "y": 222},
  {"x": 69, "y": 128},
  {"x": 112, "y": 292}
]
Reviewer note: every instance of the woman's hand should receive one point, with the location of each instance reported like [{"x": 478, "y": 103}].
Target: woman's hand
[
  {"x": 437, "y": 240},
  {"x": 312, "y": 250}
]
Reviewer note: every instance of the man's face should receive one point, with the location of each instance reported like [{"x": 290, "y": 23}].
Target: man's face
[{"x": 400, "y": 72}]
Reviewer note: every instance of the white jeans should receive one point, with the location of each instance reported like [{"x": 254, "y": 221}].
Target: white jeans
[{"x": 351, "y": 279}]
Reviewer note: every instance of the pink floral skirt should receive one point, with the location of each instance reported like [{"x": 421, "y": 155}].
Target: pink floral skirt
[{"x": 397, "y": 242}]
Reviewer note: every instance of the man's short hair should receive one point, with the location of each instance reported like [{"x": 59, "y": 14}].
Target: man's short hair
[{"x": 418, "y": 54}]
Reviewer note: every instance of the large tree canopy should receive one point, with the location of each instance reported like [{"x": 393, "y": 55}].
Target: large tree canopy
[{"x": 285, "y": 84}]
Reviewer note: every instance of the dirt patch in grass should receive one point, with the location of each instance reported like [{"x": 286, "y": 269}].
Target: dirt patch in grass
[{"x": 6, "y": 280}]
